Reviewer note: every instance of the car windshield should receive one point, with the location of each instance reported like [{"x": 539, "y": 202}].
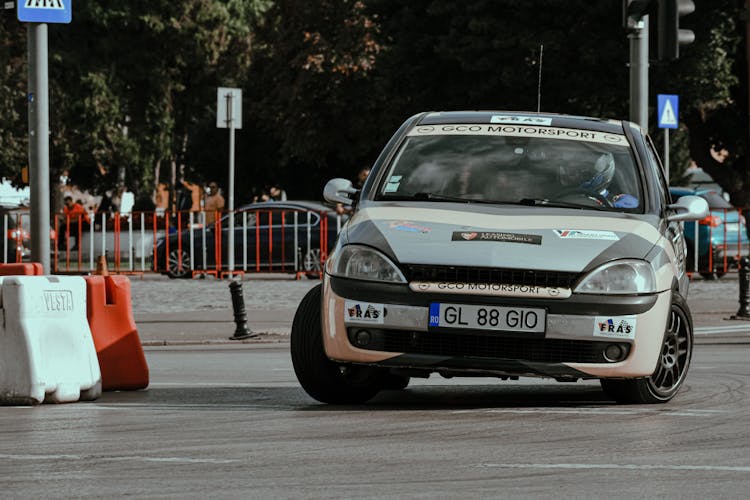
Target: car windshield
[{"x": 526, "y": 165}]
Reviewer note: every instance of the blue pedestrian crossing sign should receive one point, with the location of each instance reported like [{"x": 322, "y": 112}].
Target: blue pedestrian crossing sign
[
  {"x": 667, "y": 109},
  {"x": 45, "y": 11}
]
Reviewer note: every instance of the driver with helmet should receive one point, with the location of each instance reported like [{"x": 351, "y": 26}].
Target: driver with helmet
[{"x": 594, "y": 182}]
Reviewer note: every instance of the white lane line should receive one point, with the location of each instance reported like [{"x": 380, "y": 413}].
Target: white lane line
[
  {"x": 711, "y": 468},
  {"x": 222, "y": 385},
  {"x": 596, "y": 411},
  {"x": 708, "y": 330},
  {"x": 137, "y": 458}
]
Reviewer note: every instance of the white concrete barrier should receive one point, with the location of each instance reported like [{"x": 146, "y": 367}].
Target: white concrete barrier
[{"x": 46, "y": 349}]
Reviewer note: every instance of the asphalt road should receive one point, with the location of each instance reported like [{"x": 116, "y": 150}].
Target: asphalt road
[{"x": 230, "y": 421}]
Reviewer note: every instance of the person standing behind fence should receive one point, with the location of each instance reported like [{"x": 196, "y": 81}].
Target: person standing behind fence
[
  {"x": 161, "y": 199},
  {"x": 213, "y": 203},
  {"x": 73, "y": 213},
  {"x": 196, "y": 195}
]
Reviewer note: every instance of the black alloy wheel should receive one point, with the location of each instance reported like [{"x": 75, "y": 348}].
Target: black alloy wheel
[{"x": 672, "y": 366}]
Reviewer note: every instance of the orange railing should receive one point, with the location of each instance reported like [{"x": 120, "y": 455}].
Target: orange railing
[{"x": 281, "y": 240}]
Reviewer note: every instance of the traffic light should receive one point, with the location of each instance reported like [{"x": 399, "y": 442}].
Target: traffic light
[
  {"x": 670, "y": 34},
  {"x": 634, "y": 10}
]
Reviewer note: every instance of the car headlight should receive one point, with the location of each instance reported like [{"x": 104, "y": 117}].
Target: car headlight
[
  {"x": 620, "y": 277},
  {"x": 363, "y": 263}
]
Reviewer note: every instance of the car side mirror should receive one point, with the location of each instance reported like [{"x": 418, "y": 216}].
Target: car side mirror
[
  {"x": 688, "y": 208},
  {"x": 339, "y": 191}
]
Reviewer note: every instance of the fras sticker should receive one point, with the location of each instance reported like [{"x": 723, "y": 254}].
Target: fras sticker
[
  {"x": 617, "y": 327},
  {"x": 363, "y": 312},
  {"x": 525, "y": 120}
]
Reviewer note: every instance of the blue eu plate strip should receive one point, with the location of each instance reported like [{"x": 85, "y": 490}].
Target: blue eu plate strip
[{"x": 435, "y": 314}]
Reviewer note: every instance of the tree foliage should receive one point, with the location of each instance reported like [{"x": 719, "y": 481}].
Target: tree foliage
[{"x": 133, "y": 84}]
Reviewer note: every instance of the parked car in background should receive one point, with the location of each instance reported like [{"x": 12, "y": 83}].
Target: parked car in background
[
  {"x": 16, "y": 223},
  {"x": 269, "y": 236},
  {"x": 721, "y": 236},
  {"x": 699, "y": 180},
  {"x": 132, "y": 233}
]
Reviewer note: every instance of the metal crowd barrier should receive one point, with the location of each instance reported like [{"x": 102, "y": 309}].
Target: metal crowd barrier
[{"x": 268, "y": 241}]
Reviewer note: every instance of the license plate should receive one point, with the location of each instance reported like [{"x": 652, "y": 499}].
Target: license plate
[{"x": 506, "y": 319}]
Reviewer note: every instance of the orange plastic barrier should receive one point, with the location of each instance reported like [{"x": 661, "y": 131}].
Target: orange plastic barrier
[
  {"x": 118, "y": 347},
  {"x": 22, "y": 269}
]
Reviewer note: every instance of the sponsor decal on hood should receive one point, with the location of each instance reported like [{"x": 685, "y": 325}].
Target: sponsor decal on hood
[
  {"x": 409, "y": 227},
  {"x": 531, "y": 239},
  {"x": 579, "y": 234}
]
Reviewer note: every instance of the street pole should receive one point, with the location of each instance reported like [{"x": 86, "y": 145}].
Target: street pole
[
  {"x": 230, "y": 124},
  {"x": 639, "y": 73},
  {"x": 38, "y": 99},
  {"x": 666, "y": 153}
]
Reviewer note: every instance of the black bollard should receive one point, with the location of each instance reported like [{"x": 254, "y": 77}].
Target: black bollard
[
  {"x": 240, "y": 316},
  {"x": 744, "y": 311}
]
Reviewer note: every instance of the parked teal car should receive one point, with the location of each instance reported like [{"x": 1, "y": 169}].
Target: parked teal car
[{"x": 724, "y": 232}]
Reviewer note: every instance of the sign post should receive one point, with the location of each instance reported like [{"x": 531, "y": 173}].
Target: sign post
[
  {"x": 229, "y": 115},
  {"x": 667, "y": 112},
  {"x": 38, "y": 13}
]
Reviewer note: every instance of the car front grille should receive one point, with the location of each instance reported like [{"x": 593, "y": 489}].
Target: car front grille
[
  {"x": 486, "y": 346},
  {"x": 461, "y": 274}
]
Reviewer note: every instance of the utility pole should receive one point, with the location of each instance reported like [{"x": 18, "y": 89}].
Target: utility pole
[
  {"x": 639, "y": 72},
  {"x": 38, "y": 99},
  {"x": 635, "y": 21},
  {"x": 37, "y": 15}
]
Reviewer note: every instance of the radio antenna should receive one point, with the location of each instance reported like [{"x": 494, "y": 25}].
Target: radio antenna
[{"x": 539, "y": 86}]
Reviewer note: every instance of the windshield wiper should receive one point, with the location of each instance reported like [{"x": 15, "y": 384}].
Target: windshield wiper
[
  {"x": 427, "y": 196},
  {"x": 532, "y": 202},
  {"x": 440, "y": 197}
]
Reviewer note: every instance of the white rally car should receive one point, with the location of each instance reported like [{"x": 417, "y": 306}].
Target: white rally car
[{"x": 504, "y": 244}]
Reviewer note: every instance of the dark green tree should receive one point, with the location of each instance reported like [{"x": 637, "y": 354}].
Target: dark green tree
[{"x": 13, "y": 115}]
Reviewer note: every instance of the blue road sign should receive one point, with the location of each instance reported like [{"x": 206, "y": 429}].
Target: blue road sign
[
  {"x": 667, "y": 108},
  {"x": 45, "y": 11}
]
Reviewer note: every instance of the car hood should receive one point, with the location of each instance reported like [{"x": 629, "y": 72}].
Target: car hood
[{"x": 516, "y": 237}]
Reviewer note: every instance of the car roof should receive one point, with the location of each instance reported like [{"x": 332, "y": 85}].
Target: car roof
[
  {"x": 288, "y": 204},
  {"x": 523, "y": 118},
  {"x": 713, "y": 198}
]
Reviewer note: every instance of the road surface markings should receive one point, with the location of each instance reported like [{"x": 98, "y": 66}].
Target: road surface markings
[
  {"x": 597, "y": 411},
  {"x": 137, "y": 458},
  {"x": 708, "y": 330},
  {"x": 710, "y": 468}
]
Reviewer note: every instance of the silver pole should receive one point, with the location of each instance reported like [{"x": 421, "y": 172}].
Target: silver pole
[
  {"x": 230, "y": 120},
  {"x": 666, "y": 154},
  {"x": 639, "y": 73},
  {"x": 38, "y": 99}
]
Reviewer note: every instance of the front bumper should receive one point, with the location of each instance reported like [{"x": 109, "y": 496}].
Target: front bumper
[{"x": 568, "y": 347}]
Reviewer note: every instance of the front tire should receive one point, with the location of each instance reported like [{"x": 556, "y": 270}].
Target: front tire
[
  {"x": 321, "y": 378},
  {"x": 672, "y": 367}
]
